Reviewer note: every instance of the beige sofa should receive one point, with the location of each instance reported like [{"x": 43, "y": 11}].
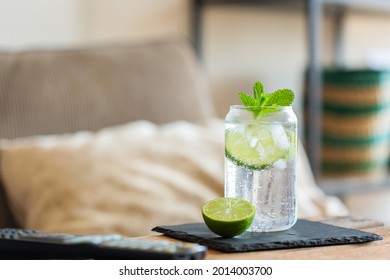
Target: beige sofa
[{"x": 114, "y": 139}]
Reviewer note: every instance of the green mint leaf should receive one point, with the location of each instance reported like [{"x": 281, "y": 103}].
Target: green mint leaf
[
  {"x": 271, "y": 99},
  {"x": 248, "y": 100},
  {"x": 258, "y": 91},
  {"x": 260, "y": 100},
  {"x": 285, "y": 97}
]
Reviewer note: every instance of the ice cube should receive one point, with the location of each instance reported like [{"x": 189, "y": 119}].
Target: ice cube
[
  {"x": 260, "y": 149},
  {"x": 280, "y": 137},
  {"x": 253, "y": 142},
  {"x": 280, "y": 164}
]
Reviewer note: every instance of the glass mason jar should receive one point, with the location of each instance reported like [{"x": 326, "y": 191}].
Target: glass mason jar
[{"x": 261, "y": 161}]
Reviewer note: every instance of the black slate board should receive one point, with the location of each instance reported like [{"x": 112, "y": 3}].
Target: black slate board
[{"x": 303, "y": 234}]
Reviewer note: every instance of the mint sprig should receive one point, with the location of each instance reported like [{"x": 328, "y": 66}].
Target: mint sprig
[{"x": 256, "y": 104}]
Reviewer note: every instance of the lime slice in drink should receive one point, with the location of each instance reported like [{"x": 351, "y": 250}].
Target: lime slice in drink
[
  {"x": 256, "y": 146},
  {"x": 228, "y": 216}
]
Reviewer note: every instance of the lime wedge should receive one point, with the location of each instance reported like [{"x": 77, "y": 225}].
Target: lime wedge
[
  {"x": 228, "y": 216},
  {"x": 256, "y": 146}
]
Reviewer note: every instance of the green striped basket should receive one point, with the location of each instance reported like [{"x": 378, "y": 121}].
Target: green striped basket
[{"x": 355, "y": 123}]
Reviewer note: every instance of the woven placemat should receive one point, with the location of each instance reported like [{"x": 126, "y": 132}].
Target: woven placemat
[{"x": 304, "y": 233}]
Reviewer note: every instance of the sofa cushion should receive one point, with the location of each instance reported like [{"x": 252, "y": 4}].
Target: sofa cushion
[{"x": 125, "y": 179}]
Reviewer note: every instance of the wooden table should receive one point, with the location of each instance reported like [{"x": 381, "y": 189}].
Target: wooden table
[{"x": 376, "y": 250}]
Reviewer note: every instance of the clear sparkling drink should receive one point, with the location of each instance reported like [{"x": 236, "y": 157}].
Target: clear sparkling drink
[{"x": 260, "y": 164}]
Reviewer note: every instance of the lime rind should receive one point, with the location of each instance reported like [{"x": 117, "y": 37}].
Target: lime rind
[
  {"x": 245, "y": 165},
  {"x": 257, "y": 147}
]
